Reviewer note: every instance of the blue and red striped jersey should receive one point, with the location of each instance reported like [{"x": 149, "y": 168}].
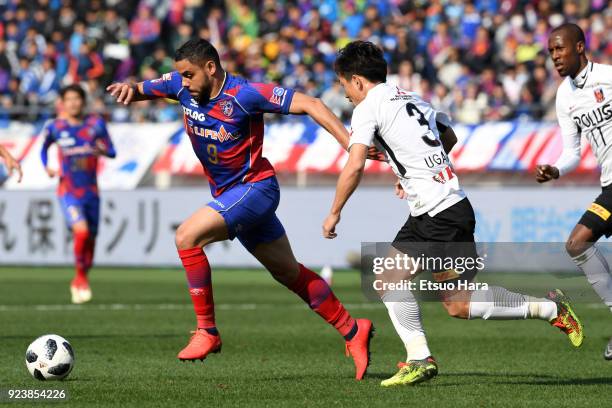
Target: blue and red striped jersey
[
  {"x": 227, "y": 133},
  {"x": 78, "y": 163}
]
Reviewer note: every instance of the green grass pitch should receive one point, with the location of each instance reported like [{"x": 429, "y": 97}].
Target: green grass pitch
[{"x": 276, "y": 352}]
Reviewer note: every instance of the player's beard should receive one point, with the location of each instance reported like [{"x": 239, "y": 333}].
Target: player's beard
[{"x": 204, "y": 97}]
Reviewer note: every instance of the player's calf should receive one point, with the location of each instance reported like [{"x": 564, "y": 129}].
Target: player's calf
[{"x": 497, "y": 303}]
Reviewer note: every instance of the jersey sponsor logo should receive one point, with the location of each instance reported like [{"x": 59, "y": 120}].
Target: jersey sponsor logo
[
  {"x": 400, "y": 91},
  {"x": 66, "y": 141},
  {"x": 595, "y": 117},
  {"x": 278, "y": 95},
  {"x": 194, "y": 114},
  {"x": 444, "y": 175},
  {"x": 193, "y": 103},
  {"x": 599, "y": 95},
  {"x": 599, "y": 211},
  {"x": 77, "y": 150},
  {"x": 222, "y": 135},
  {"x": 227, "y": 107}
]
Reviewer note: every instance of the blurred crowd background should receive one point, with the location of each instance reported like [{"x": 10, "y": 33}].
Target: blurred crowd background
[{"x": 479, "y": 60}]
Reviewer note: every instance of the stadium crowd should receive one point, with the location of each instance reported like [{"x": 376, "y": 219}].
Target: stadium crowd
[{"x": 479, "y": 60}]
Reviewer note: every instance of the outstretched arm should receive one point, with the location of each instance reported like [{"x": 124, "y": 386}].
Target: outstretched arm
[
  {"x": 303, "y": 104},
  {"x": 315, "y": 108},
  {"x": 11, "y": 163},
  {"x": 126, "y": 93},
  {"x": 347, "y": 183}
]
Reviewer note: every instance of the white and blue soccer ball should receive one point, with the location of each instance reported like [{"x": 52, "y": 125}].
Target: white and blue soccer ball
[{"x": 50, "y": 357}]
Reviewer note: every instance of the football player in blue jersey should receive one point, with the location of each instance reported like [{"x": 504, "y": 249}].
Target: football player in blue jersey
[
  {"x": 81, "y": 139},
  {"x": 223, "y": 117}
]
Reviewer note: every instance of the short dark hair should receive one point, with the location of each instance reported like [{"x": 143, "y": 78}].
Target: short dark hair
[
  {"x": 361, "y": 58},
  {"x": 73, "y": 88},
  {"x": 197, "y": 51},
  {"x": 573, "y": 31}
]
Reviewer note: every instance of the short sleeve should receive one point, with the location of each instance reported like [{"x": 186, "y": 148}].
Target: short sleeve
[
  {"x": 257, "y": 97},
  {"x": 443, "y": 121},
  {"x": 363, "y": 125},
  {"x": 168, "y": 86}
]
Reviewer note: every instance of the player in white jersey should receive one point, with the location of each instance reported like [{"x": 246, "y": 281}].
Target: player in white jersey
[
  {"x": 584, "y": 108},
  {"x": 417, "y": 140}
]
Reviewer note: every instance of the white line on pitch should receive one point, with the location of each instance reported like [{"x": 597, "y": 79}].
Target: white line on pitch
[
  {"x": 168, "y": 306},
  {"x": 187, "y": 306}
]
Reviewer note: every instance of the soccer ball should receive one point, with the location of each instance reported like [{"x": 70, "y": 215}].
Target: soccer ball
[{"x": 50, "y": 357}]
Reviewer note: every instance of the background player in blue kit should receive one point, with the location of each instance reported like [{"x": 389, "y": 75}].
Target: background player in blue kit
[
  {"x": 81, "y": 139},
  {"x": 223, "y": 117}
]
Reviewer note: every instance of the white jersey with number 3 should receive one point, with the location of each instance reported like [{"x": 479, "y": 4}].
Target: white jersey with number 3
[
  {"x": 584, "y": 108},
  {"x": 404, "y": 126}
]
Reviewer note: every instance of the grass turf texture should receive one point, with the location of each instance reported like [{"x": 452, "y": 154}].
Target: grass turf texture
[{"x": 276, "y": 352}]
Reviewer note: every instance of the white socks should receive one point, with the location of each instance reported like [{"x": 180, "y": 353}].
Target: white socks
[
  {"x": 593, "y": 264},
  {"x": 498, "y": 303},
  {"x": 405, "y": 314}
]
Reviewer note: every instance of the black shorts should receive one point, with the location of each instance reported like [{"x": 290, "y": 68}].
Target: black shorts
[
  {"x": 448, "y": 234},
  {"x": 597, "y": 217}
]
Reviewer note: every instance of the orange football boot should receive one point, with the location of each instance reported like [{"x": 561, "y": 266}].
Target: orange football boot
[
  {"x": 200, "y": 345},
  {"x": 359, "y": 347}
]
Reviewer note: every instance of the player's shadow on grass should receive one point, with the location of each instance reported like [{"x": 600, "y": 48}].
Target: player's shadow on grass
[
  {"x": 565, "y": 381},
  {"x": 542, "y": 379}
]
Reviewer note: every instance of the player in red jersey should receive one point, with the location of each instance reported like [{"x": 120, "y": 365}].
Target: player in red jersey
[
  {"x": 81, "y": 140},
  {"x": 10, "y": 162},
  {"x": 223, "y": 117}
]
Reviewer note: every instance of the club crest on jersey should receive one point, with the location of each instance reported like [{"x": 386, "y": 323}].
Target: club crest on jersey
[
  {"x": 227, "y": 107},
  {"x": 599, "y": 95},
  {"x": 278, "y": 95}
]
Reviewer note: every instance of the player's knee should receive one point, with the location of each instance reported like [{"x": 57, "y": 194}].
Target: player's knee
[
  {"x": 575, "y": 247},
  {"x": 455, "y": 309},
  {"x": 80, "y": 228},
  {"x": 183, "y": 238}
]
